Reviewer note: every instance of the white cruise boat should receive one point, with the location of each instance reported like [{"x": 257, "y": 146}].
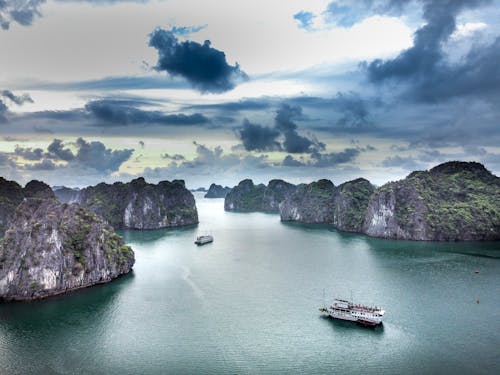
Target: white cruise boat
[
  {"x": 346, "y": 310},
  {"x": 202, "y": 240}
]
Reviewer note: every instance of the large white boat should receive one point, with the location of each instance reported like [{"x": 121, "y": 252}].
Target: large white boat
[
  {"x": 202, "y": 240},
  {"x": 346, "y": 310}
]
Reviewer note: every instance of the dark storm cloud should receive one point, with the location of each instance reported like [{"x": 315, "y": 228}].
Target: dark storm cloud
[
  {"x": 57, "y": 150},
  {"x": 117, "y": 112},
  {"x": 324, "y": 160},
  {"x": 22, "y": 12},
  {"x": 95, "y": 155},
  {"x": 262, "y": 138},
  {"x": 259, "y": 138},
  {"x": 204, "y": 67},
  {"x": 294, "y": 143},
  {"x": 17, "y": 99},
  {"x": 424, "y": 67},
  {"x": 304, "y": 19}
]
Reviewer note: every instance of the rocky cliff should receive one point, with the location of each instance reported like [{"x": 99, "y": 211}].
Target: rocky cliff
[
  {"x": 139, "y": 205},
  {"x": 455, "y": 201},
  {"x": 310, "y": 203},
  {"x": 350, "y": 202},
  {"x": 249, "y": 197},
  {"x": 12, "y": 194},
  {"x": 51, "y": 248},
  {"x": 217, "y": 191}
]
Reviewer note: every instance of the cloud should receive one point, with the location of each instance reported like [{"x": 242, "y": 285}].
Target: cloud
[
  {"x": 44, "y": 165},
  {"x": 324, "y": 160},
  {"x": 346, "y": 13},
  {"x": 204, "y": 67},
  {"x": 86, "y": 155},
  {"x": 173, "y": 157},
  {"x": 240, "y": 105},
  {"x": 304, "y": 19},
  {"x": 186, "y": 30},
  {"x": 3, "y": 112},
  {"x": 95, "y": 155},
  {"x": 259, "y": 138},
  {"x": 294, "y": 143},
  {"x": 56, "y": 150},
  {"x": 124, "y": 112},
  {"x": 29, "y": 153},
  {"x": 22, "y": 12},
  {"x": 290, "y": 161},
  {"x": 19, "y": 100},
  {"x": 426, "y": 71},
  {"x": 404, "y": 162}
]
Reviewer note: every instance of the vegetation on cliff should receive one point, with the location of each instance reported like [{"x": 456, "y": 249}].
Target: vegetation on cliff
[
  {"x": 249, "y": 197},
  {"x": 454, "y": 201},
  {"x": 140, "y": 205},
  {"x": 12, "y": 194},
  {"x": 217, "y": 191},
  {"x": 51, "y": 248}
]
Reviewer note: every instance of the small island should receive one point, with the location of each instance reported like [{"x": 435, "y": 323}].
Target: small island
[
  {"x": 250, "y": 197},
  {"x": 217, "y": 191},
  {"x": 141, "y": 205},
  {"x": 52, "y": 248}
]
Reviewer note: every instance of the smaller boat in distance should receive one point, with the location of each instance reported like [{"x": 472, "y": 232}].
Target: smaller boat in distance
[
  {"x": 202, "y": 240},
  {"x": 346, "y": 310}
]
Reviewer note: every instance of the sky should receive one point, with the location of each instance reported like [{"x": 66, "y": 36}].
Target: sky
[{"x": 222, "y": 90}]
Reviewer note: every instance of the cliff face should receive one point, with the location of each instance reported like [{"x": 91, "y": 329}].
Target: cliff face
[
  {"x": 217, "y": 191},
  {"x": 51, "y": 248},
  {"x": 12, "y": 194},
  {"x": 455, "y": 201},
  {"x": 67, "y": 195},
  {"x": 350, "y": 202},
  {"x": 310, "y": 203},
  {"x": 139, "y": 205},
  {"x": 249, "y": 197}
]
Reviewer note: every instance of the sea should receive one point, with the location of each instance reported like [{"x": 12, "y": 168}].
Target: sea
[{"x": 248, "y": 304}]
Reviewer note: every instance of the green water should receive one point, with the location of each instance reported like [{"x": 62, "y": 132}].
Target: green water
[{"x": 248, "y": 303}]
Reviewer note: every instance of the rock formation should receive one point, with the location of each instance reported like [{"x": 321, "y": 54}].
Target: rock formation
[
  {"x": 139, "y": 205},
  {"x": 51, "y": 248},
  {"x": 454, "y": 201},
  {"x": 249, "y": 197},
  {"x": 217, "y": 191},
  {"x": 12, "y": 194},
  {"x": 310, "y": 203}
]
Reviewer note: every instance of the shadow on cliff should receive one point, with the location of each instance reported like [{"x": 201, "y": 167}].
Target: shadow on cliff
[{"x": 152, "y": 235}]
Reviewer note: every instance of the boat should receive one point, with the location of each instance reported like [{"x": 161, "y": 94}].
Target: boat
[
  {"x": 347, "y": 310},
  {"x": 202, "y": 240}
]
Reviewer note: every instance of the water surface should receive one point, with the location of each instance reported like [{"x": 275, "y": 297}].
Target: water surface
[{"x": 248, "y": 303}]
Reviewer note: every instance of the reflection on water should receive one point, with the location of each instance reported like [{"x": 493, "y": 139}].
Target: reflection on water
[{"x": 248, "y": 303}]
